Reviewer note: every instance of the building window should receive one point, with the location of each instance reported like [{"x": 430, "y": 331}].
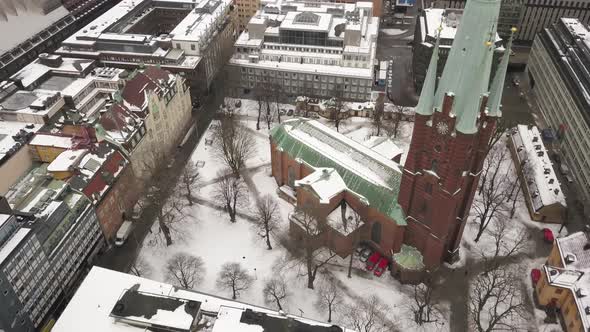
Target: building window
[
  {"x": 434, "y": 166},
  {"x": 291, "y": 176},
  {"x": 193, "y": 47}
]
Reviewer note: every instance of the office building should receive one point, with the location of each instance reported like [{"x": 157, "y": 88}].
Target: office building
[
  {"x": 319, "y": 50},
  {"x": 192, "y": 37},
  {"x": 557, "y": 73}
]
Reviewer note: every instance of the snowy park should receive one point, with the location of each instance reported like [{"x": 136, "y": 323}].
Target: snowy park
[{"x": 209, "y": 239}]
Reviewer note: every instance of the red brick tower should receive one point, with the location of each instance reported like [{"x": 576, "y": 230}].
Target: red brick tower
[{"x": 452, "y": 129}]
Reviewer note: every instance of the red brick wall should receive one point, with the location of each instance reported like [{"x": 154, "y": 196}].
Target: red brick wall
[
  {"x": 436, "y": 217},
  {"x": 391, "y": 234}
]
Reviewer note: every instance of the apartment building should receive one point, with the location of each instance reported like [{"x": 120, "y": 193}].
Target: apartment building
[
  {"x": 318, "y": 50},
  {"x": 530, "y": 16},
  {"x": 163, "y": 102},
  {"x": 564, "y": 281},
  {"x": 246, "y": 9},
  {"x": 193, "y": 37},
  {"x": 542, "y": 192},
  {"x": 427, "y": 28},
  {"x": 113, "y": 301},
  {"x": 15, "y": 158},
  {"x": 49, "y": 235},
  {"x": 558, "y": 77}
]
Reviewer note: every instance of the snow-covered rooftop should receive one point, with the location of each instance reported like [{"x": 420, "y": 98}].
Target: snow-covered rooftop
[
  {"x": 96, "y": 298},
  {"x": 538, "y": 169},
  {"x": 9, "y": 130},
  {"x": 13, "y": 243},
  {"x": 446, "y": 19},
  {"x": 67, "y": 160},
  {"x": 325, "y": 182},
  {"x": 384, "y": 146},
  {"x": 365, "y": 172},
  {"x": 575, "y": 274},
  {"x": 63, "y": 142},
  {"x": 25, "y": 23}
]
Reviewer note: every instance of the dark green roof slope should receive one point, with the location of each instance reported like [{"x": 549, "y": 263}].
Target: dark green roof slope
[{"x": 307, "y": 139}]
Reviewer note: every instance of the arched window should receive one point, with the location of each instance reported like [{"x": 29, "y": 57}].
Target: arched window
[
  {"x": 434, "y": 167},
  {"x": 376, "y": 232},
  {"x": 290, "y": 176}
]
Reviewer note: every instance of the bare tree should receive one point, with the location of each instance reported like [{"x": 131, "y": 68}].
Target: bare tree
[
  {"x": 268, "y": 116},
  {"x": 367, "y": 315},
  {"x": 234, "y": 277},
  {"x": 234, "y": 144},
  {"x": 260, "y": 96},
  {"x": 190, "y": 180},
  {"x": 507, "y": 242},
  {"x": 185, "y": 270},
  {"x": 424, "y": 308},
  {"x": 276, "y": 92},
  {"x": 267, "y": 217},
  {"x": 490, "y": 203},
  {"x": 329, "y": 297},
  {"x": 140, "y": 268},
  {"x": 312, "y": 257},
  {"x": 232, "y": 192},
  {"x": 275, "y": 291},
  {"x": 496, "y": 301},
  {"x": 396, "y": 120},
  {"x": 336, "y": 105},
  {"x": 378, "y": 113},
  {"x": 171, "y": 215}
]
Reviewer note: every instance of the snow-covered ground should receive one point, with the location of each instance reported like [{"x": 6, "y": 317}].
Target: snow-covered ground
[{"x": 210, "y": 235}]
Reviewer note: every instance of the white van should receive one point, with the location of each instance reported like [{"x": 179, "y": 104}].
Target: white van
[{"x": 123, "y": 232}]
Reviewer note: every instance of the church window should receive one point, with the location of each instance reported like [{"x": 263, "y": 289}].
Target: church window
[
  {"x": 291, "y": 176},
  {"x": 434, "y": 166},
  {"x": 376, "y": 232}
]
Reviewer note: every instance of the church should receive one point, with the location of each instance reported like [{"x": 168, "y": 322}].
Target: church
[{"x": 412, "y": 214}]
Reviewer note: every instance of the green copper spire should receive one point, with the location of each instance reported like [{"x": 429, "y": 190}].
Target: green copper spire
[
  {"x": 494, "y": 107},
  {"x": 426, "y": 102},
  {"x": 467, "y": 72}
]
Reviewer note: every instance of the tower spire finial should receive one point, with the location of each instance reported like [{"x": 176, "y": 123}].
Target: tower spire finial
[
  {"x": 426, "y": 102},
  {"x": 494, "y": 106}
]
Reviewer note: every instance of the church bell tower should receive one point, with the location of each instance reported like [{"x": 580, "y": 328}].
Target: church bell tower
[{"x": 453, "y": 125}]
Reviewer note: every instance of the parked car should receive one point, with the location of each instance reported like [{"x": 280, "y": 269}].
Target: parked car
[
  {"x": 516, "y": 82},
  {"x": 535, "y": 276},
  {"x": 372, "y": 261},
  {"x": 563, "y": 169},
  {"x": 238, "y": 103},
  {"x": 123, "y": 232},
  {"x": 137, "y": 209},
  {"x": 381, "y": 267},
  {"x": 290, "y": 112},
  {"x": 364, "y": 253},
  {"x": 548, "y": 235},
  {"x": 282, "y": 112},
  {"x": 569, "y": 179}
]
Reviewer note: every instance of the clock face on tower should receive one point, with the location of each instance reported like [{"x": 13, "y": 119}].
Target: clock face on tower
[{"x": 442, "y": 128}]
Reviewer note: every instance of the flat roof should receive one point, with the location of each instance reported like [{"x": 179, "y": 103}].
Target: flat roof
[
  {"x": 8, "y": 129},
  {"x": 63, "y": 142},
  {"x": 25, "y": 23},
  {"x": 12, "y": 243},
  {"x": 92, "y": 305}
]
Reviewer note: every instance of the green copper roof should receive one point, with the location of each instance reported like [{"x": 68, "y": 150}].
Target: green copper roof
[
  {"x": 426, "y": 103},
  {"x": 409, "y": 258},
  {"x": 495, "y": 98},
  {"x": 467, "y": 70},
  {"x": 364, "y": 172}
]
